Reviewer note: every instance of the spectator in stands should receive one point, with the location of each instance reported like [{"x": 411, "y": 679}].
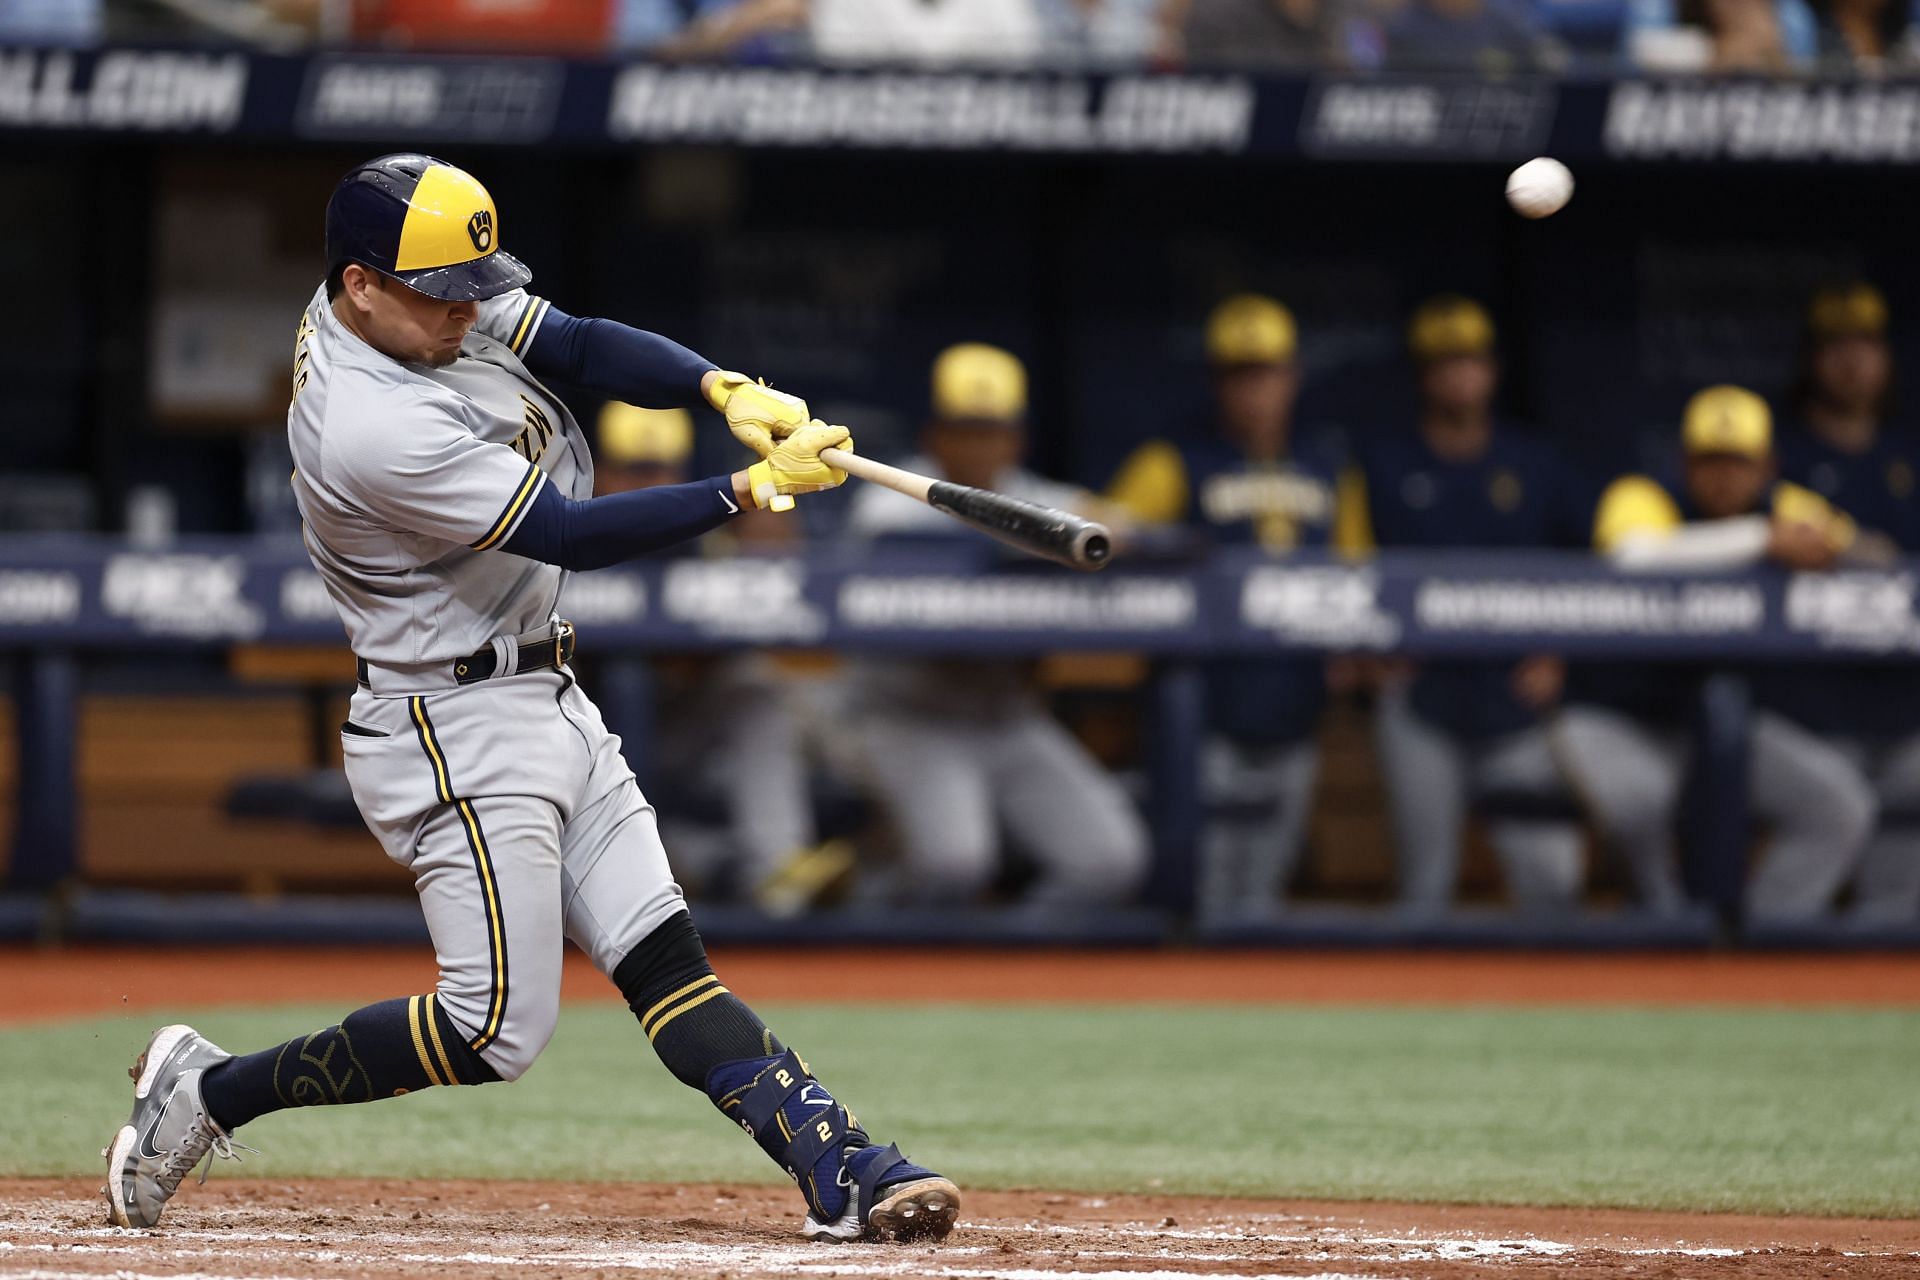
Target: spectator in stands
[
  {"x": 1623, "y": 741},
  {"x": 1721, "y": 36},
  {"x": 742, "y": 30},
  {"x": 1100, "y": 33},
  {"x": 1868, "y": 36},
  {"x": 1490, "y": 37},
  {"x": 728, "y": 728},
  {"x": 51, "y": 21},
  {"x": 1247, "y": 484},
  {"x": 1294, "y": 34},
  {"x": 1844, "y": 449},
  {"x": 1449, "y": 729},
  {"x": 960, "y": 749},
  {"x": 928, "y": 32}
]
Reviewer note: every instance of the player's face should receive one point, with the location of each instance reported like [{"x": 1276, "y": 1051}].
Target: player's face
[
  {"x": 975, "y": 453},
  {"x": 1256, "y": 404},
  {"x": 1727, "y": 484},
  {"x": 1851, "y": 373},
  {"x": 1458, "y": 384},
  {"x": 406, "y": 324}
]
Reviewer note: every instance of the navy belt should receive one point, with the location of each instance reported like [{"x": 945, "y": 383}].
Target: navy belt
[{"x": 549, "y": 655}]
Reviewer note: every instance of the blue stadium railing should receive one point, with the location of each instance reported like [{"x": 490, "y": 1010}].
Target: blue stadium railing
[{"x": 65, "y": 597}]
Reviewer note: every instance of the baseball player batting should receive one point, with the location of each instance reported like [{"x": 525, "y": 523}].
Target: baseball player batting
[{"x": 445, "y": 495}]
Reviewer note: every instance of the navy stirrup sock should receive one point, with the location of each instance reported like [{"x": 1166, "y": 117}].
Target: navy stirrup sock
[{"x": 381, "y": 1051}]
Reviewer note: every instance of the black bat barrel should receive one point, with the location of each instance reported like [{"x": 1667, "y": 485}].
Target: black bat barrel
[{"x": 1042, "y": 531}]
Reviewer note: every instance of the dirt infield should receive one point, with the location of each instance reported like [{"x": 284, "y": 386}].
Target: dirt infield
[
  {"x": 37, "y": 983},
  {"x": 411, "y": 1229}
]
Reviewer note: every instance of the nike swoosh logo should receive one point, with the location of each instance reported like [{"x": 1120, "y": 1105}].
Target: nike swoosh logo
[
  {"x": 732, "y": 509},
  {"x": 145, "y": 1148}
]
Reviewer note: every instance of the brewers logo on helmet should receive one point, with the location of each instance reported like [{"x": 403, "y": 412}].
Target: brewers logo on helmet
[{"x": 427, "y": 224}]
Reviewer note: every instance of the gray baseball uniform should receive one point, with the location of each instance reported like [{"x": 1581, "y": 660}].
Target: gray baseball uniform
[
  {"x": 1430, "y": 774},
  {"x": 508, "y": 799},
  {"x": 1819, "y": 808},
  {"x": 1886, "y": 889},
  {"x": 958, "y": 747}
]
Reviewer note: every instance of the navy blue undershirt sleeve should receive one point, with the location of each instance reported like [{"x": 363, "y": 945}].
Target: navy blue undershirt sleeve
[
  {"x": 592, "y": 533},
  {"x": 617, "y": 360}
]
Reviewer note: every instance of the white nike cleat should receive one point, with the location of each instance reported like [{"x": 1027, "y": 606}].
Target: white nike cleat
[{"x": 169, "y": 1131}]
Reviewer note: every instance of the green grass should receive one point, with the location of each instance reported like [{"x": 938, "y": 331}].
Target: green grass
[{"x": 1765, "y": 1111}]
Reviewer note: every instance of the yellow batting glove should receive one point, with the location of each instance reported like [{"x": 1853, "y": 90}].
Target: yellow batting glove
[
  {"x": 795, "y": 466},
  {"x": 756, "y": 413}
]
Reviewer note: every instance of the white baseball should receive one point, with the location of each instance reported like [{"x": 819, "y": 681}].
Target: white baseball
[{"x": 1539, "y": 187}]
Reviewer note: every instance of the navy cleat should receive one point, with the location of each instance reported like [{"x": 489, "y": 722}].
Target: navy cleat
[
  {"x": 854, "y": 1189},
  {"x": 891, "y": 1198},
  {"x": 169, "y": 1131}
]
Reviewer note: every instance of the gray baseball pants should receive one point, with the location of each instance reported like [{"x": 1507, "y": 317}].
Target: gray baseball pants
[
  {"x": 1887, "y": 887},
  {"x": 741, "y": 736},
  {"x": 950, "y": 784},
  {"x": 511, "y": 804},
  {"x": 1817, "y": 805},
  {"x": 1251, "y": 849},
  {"x": 1430, "y": 775}
]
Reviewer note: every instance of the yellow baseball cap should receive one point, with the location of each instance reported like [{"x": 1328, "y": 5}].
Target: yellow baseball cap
[
  {"x": 1727, "y": 420},
  {"x": 1848, "y": 311},
  {"x": 973, "y": 382},
  {"x": 1450, "y": 325},
  {"x": 635, "y": 437},
  {"x": 1250, "y": 328}
]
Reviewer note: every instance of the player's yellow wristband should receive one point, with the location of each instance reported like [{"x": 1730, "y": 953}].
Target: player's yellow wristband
[
  {"x": 723, "y": 388},
  {"x": 766, "y": 493}
]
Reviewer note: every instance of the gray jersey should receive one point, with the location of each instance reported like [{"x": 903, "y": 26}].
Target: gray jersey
[{"x": 408, "y": 476}]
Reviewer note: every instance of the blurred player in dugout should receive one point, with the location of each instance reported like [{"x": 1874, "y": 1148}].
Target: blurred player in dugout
[
  {"x": 1839, "y": 443},
  {"x": 1247, "y": 483},
  {"x": 1622, "y": 736},
  {"x": 728, "y": 727},
  {"x": 1448, "y": 730},
  {"x": 962, "y": 750}
]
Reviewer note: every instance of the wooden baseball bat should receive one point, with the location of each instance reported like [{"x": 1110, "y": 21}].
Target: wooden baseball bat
[{"x": 1047, "y": 532}]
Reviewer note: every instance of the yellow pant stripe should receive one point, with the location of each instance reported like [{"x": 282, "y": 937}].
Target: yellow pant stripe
[
  {"x": 660, "y": 1006},
  {"x": 442, "y": 782},
  {"x": 527, "y": 485},
  {"x": 677, "y": 1010},
  {"x": 419, "y": 1041},
  {"x": 482, "y": 865},
  {"x": 496, "y": 927},
  {"x": 439, "y": 1048}
]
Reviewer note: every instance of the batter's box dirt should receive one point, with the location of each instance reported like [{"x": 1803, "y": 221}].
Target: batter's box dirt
[{"x": 236, "y": 1228}]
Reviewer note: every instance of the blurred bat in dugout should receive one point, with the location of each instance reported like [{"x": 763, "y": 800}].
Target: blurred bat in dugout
[{"x": 1047, "y": 532}]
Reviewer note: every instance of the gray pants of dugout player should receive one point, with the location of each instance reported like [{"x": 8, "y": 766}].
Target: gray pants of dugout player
[
  {"x": 1261, "y": 795},
  {"x": 511, "y": 805},
  {"x": 1817, "y": 806},
  {"x": 1430, "y": 774},
  {"x": 1887, "y": 888},
  {"x": 950, "y": 785},
  {"x": 740, "y": 735}
]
